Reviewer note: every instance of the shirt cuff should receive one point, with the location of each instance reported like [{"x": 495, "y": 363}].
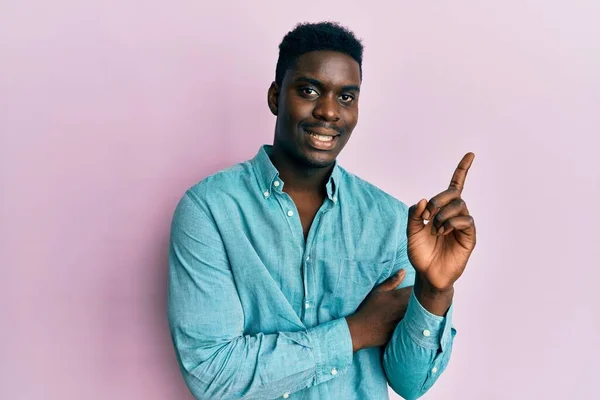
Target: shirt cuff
[
  {"x": 333, "y": 348},
  {"x": 426, "y": 329}
]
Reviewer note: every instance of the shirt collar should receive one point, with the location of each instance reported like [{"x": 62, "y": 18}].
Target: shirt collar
[{"x": 268, "y": 176}]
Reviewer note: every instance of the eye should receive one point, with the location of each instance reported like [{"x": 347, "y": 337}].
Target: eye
[
  {"x": 309, "y": 91},
  {"x": 347, "y": 98}
]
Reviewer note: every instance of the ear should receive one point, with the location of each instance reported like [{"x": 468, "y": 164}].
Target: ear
[{"x": 273, "y": 98}]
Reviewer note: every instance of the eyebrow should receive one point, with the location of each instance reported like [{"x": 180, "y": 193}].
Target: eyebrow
[{"x": 347, "y": 88}]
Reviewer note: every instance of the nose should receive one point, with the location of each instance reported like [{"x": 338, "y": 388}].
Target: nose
[{"x": 327, "y": 109}]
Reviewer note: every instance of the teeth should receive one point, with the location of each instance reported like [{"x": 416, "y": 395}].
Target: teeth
[{"x": 322, "y": 138}]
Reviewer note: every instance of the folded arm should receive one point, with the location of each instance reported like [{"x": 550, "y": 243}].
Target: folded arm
[{"x": 206, "y": 321}]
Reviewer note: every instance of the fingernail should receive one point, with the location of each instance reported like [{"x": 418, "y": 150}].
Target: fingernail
[
  {"x": 400, "y": 273},
  {"x": 441, "y": 231}
]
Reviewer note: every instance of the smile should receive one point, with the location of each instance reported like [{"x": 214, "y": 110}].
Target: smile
[
  {"x": 323, "y": 138},
  {"x": 321, "y": 142}
]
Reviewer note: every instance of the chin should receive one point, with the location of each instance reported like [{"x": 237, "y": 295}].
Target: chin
[{"x": 319, "y": 162}]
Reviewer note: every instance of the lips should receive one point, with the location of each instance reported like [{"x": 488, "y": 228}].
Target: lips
[{"x": 321, "y": 140}]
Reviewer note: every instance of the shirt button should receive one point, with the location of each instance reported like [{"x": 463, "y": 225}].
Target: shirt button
[
  {"x": 334, "y": 199},
  {"x": 434, "y": 370},
  {"x": 276, "y": 183},
  {"x": 307, "y": 305},
  {"x": 266, "y": 193},
  {"x": 334, "y": 371},
  {"x": 426, "y": 333},
  {"x": 307, "y": 258},
  {"x": 290, "y": 213},
  {"x": 286, "y": 395}
]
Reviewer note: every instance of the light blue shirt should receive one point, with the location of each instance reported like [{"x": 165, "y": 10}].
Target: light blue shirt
[{"x": 257, "y": 312}]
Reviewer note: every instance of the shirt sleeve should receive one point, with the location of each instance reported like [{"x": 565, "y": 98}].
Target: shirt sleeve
[
  {"x": 206, "y": 321},
  {"x": 421, "y": 344}
]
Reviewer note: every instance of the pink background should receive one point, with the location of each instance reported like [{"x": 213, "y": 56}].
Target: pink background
[{"x": 109, "y": 110}]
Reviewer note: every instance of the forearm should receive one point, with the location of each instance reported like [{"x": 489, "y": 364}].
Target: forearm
[
  {"x": 418, "y": 351},
  {"x": 262, "y": 366}
]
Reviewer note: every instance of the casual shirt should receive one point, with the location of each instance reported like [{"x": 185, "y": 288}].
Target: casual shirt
[{"x": 256, "y": 311}]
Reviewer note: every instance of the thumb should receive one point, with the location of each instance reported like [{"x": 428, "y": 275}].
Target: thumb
[
  {"x": 391, "y": 283},
  {"x": 415, "y": 217}
]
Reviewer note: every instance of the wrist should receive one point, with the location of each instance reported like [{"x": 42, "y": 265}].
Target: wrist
[
  {"x": 356, "y": 333},
  {"x": 422, "y": 284},
  {"x": 435, "y": 300}
]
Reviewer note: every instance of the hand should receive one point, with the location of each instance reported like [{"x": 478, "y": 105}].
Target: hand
[
  {"x": 439, "y": 250},
  {"x": 376, "y": 318}
]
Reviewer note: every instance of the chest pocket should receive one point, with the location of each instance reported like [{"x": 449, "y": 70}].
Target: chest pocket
[{"x": 355, "y": 281}]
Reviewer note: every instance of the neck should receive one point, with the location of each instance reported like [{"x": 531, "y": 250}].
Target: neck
[{"x": 298, "y": 177}]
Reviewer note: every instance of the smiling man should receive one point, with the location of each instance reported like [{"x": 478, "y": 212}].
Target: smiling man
[{"x": 290, "y": 277}]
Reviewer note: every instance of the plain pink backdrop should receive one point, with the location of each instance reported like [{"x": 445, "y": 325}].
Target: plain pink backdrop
[{"x": 109, "y": 110}]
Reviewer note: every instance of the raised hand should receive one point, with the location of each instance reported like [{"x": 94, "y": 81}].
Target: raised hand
[{"x": 439, "y": 250}]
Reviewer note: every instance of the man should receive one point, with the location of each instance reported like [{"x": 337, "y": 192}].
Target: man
[{"x": 290, "y": 277}]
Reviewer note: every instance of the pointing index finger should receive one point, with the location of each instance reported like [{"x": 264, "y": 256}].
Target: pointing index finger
[{"x": 460, "y": 174}]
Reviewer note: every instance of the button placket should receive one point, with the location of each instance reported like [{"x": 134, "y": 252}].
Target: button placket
[
  {"x": 308, "y": 269},
  {"x": 305, "y": 283},
  {"x": 288, "y": 208}
]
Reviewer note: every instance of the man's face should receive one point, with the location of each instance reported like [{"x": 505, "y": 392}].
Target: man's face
[{"x": 316, "y": 107}]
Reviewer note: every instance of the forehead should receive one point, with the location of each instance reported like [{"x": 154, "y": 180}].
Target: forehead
[{"x": 329, "y": 67}]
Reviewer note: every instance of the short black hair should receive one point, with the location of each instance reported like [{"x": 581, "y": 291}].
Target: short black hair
[{"x": 306, "y": 37}]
